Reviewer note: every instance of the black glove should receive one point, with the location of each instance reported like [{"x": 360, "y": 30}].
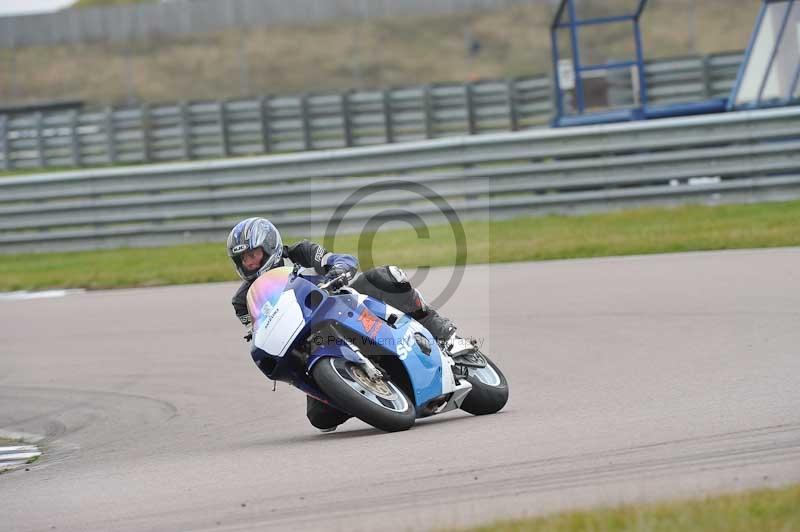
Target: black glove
[{"x": 340, "y": 275}]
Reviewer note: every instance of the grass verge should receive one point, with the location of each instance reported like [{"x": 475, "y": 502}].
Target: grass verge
[
  {"x": 358, "y": 52},
  {"x": 763, "y": 510},
  {"x": 642, "y": 231}
]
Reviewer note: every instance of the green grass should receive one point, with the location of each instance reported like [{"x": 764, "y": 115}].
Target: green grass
[
  {"x": 689, "y": 228},
  {"x": 770, "y": 510}
]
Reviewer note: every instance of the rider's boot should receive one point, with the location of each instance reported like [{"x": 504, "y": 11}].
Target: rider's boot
[
  {"x": 457, "y": 346},
  {"x": 445, "y": 333}
]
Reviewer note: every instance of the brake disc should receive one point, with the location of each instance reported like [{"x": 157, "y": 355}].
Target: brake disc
[{"x": 379, "y": 387}]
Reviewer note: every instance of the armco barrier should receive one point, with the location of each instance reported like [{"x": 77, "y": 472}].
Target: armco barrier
[
  {"x": 744, "y": 156},
  {"x": 280, "y": 124}
]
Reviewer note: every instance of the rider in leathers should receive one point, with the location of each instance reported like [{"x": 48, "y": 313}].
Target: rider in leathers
[{"x": 255, "y": 246}]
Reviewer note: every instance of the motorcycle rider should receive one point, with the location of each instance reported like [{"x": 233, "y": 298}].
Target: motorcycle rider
[{"x": 254, "y": 246}]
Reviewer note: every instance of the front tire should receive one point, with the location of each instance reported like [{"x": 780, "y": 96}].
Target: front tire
[
  {"x": 382, "y": 405},
  {"x": 489, "y": 389}
]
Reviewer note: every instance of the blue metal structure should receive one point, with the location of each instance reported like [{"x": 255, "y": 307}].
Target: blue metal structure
[
  {"x": 770, "y": 73},
  {"x": 567, "y": 18}
]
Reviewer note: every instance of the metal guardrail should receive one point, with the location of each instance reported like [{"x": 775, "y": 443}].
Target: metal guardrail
[
  {"x": 200, "y": 130},
  {"x": 746, "y": 156},
  {"x": 679, "y": 80}
]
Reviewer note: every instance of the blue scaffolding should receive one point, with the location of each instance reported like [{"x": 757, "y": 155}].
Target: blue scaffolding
[{"x": 574, "y": 106}]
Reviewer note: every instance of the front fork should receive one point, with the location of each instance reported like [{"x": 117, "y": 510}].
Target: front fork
[{"x": 349, "y": 351}]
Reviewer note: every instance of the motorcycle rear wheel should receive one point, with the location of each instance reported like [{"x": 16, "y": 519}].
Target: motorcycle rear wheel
[{"x": 381, "y": 404}]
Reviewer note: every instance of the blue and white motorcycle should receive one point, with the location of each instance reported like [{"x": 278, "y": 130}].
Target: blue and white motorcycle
[{"x": 361, "y": 355}]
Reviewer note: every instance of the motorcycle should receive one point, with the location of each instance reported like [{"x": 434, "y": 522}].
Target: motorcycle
[{"x": 361, "y": 355}]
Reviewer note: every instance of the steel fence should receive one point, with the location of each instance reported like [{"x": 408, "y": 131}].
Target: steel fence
[
  {"x": 734, "y": 157},
  {"x": 278, "y": 124}
]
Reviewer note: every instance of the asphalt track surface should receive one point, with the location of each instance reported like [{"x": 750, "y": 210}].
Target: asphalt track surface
[{"x": 632, "y": 379}]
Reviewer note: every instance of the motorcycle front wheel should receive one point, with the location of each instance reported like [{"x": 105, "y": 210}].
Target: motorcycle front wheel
[
  {"x": 379, "y": 403},
  {"x": 489, "y": 389}
]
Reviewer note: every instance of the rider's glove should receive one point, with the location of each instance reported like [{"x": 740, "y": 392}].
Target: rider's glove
[{"x": 338, "y": 270}]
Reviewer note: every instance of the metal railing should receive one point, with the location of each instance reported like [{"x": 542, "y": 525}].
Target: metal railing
[
  {"x": 199, "y": 130},
  {"x": 745, "y": 156}
]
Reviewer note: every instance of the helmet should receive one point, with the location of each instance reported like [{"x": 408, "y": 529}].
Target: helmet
[{"x": 250, "y": 234}]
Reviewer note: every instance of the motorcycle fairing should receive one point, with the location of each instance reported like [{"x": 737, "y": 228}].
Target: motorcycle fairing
[
  {"x": 280, "y": 326},
  {"x": 343, "y": 350},
  {"x": 308, "y": 307}
]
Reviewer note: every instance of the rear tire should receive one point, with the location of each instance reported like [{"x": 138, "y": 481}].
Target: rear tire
[
  {"x": 489, "y": 389},
  {"x": 382, "y": 405}
]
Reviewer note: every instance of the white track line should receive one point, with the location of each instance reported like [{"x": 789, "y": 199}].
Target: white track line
[
  {"x": 8, "y": 450},
  {"x": 25, "y": 295},
  {"x": 17, "y": 455}
]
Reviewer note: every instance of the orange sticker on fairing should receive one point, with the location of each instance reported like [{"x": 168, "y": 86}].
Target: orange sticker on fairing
[{"x": 370, "y": 322}]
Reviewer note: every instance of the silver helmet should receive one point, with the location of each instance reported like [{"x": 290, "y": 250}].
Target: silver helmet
[{"x": 251, "y": 234}]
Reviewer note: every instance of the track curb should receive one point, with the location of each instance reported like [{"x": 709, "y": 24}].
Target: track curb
[{"x": 20, "y": 451}]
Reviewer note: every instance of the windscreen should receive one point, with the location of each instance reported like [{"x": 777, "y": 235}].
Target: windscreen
[{"x": 265, "y": 291}]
